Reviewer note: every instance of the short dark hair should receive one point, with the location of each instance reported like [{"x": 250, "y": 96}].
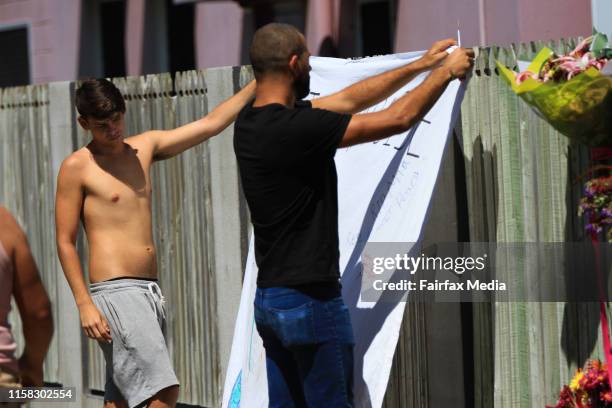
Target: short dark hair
[
  {"x": 99, "y": 99},
  {"x": 273, "y": 45}
]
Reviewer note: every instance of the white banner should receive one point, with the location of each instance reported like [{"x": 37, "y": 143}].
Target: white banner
[{"x": 384, "y": 190}]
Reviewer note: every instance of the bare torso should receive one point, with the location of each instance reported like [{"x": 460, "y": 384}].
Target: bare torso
[{"x": 116, "y": 212}]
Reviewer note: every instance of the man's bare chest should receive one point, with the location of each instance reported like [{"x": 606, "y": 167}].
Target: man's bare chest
[{"x": 120, "y": 182}]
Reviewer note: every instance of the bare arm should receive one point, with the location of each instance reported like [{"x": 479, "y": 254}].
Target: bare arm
[
  {"x": 33, "y": 304},
  {"x": 373, "y": 90},
  {"x": 35, "y": 311},
  {"x": 169, "y": 143},
  {"x": 68, "y": 204},
  {"x": 410, "y": 108}
]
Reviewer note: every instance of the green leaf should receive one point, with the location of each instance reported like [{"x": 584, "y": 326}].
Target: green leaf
[{"x": 599, "y": 43}]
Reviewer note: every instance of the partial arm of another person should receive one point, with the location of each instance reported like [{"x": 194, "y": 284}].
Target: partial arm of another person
[
  {"x": 68, "y": 203},
  {"x": 169, "y": 143},
  {"x": 412, "y": 107},
  {"x": 375, "y": 89},
  {"x": 34, "y": 309}
]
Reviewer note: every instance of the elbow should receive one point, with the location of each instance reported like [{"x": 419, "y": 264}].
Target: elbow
[
  {"x": 352, "y": 107},
  {"x": 403, "y": 121},
  {"x": 65, "y": 244},
  {"x": 212, "y": 125}
]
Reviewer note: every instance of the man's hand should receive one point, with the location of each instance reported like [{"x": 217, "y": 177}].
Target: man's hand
[
  {"x": 437, "y": 53},
  {"x": 412, "y": 107},
  {"x": 373, "y": 90},
  {"x": 93, "y": 323},
  {"x": 459, "y": 63},
  {"x": 31, "y": 374}
]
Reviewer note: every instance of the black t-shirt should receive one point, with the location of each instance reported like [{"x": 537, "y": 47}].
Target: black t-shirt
[{"x": 286, "y": 162}]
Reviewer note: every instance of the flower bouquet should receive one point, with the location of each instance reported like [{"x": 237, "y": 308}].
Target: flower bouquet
[
  {"x": 596, "y": 206},
  {"x": 570, "y": 91},
  {"x": 588, "y": 389}
]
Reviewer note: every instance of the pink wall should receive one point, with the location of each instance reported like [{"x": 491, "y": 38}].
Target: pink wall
[
  {"x": 501, "y": 22},
  {"x": 54, "y": 29},
  {"x": 219, "y": 26},
  {"x": 322, "y": 21},
  {"x": 564, "y": 18},
  {"x": 421, "y": 23},
  {"x": 319, "y": 23},
  {"x": 526, "y": 20},
  {"x": 218, "y": 31},
  {"x": 489, "y": 22},
  {"x": 134, "y": 36}
]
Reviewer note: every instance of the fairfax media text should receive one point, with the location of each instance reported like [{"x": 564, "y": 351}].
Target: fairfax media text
[{"x": 437, "y": 285}]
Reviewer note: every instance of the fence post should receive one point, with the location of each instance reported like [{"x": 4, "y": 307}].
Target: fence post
[
  {"x": 226, "y": 219},
  {"x": 67, "y": 324}
]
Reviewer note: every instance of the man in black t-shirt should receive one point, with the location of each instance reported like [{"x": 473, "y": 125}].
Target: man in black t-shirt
[{"x": 285, "y": 149}]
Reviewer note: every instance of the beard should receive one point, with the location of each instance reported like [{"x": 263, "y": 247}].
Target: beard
[{"x": 301, "y": 87}]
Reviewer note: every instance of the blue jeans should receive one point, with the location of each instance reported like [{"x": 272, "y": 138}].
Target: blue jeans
[{"x": 309, "y": 348}]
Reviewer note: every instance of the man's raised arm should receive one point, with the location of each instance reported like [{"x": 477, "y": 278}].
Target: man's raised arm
[
  {"x": 68, "y": 204},
  {"x": 375, "y": 89},
  {"x": 410, "y": 108},
  {"x": 169, "y": 143}
]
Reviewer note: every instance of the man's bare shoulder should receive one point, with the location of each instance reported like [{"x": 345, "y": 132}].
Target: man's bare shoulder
[
  {"x": 73, "y": 165},
  {"x": 144, "y": 144},
  {"x": 10, "y": 231},
  {"x": 6, "y": 218},
  {"x": 78, "y": 159},
  {"x": 142, "y": 139}
]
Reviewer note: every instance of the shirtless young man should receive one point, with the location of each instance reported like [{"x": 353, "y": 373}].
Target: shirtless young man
[{"x": 107, "y": 185}]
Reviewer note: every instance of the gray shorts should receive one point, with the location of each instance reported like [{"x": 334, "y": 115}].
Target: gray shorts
[{"x": 138, "y": 365}]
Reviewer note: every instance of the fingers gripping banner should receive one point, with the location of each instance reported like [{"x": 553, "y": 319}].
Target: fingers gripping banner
[{"x": 384, "y": 190}]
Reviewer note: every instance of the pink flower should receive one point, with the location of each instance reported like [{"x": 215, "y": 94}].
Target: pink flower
[
  {"x": 582, "y": 47},
  {"x": 520, "y": 78},
  {"x": 563, "y": 58}
]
